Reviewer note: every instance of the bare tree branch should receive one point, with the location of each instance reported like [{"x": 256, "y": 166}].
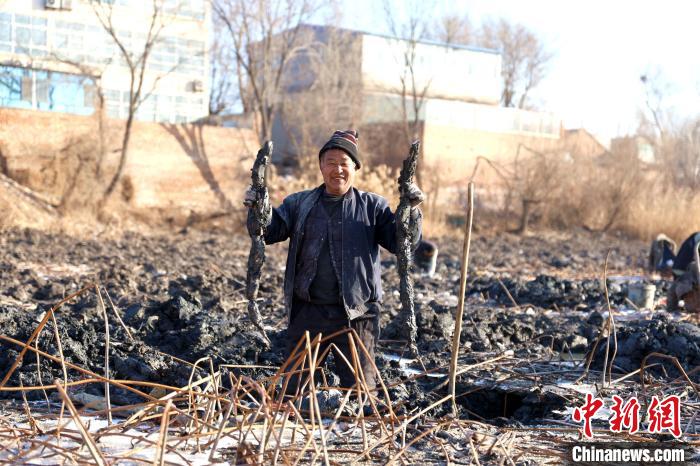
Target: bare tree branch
[
  {"x": 525, "y": 59},
  {"x": 453, "y": 29},
  {"x": 264, "y": 35},
  {"x": 412, "y": 93},
  {"x": 136, "y": 56}
]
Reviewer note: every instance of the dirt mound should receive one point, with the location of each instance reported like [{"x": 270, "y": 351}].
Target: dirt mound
[
  {"x": 486, "y": 328},
  {"x": 181, "y": 327},
  {"x": 637, "y": 339},
  {"x": 548, "y": 291},
  {"x": 83, "y": 343},
  {"x": 178, "y": 327}
]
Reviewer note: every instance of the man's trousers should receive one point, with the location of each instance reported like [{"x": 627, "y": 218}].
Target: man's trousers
[{"x": 329, "y": 319}]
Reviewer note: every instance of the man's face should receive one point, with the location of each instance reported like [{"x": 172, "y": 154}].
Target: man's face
[{"x": 338, "y": 171}]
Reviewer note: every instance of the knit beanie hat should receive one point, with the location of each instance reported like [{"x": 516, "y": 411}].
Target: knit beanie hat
[{"x": 345, "y": 141}]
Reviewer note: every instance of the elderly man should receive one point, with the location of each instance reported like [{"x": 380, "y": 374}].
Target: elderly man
[{"x": 333, "y": 277}]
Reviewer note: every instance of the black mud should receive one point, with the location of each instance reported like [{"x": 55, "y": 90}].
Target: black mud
[
  {"x": 182, "y": 296},
  {"x": 637, "y": 339}
]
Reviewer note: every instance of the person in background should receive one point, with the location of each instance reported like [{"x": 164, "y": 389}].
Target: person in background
[
  {"x": 425, "y": 257},
  {"x": 661, "y": 255},
  {"x": 686, "y": 276}
]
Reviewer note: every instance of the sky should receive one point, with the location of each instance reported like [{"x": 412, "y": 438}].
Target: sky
[{"x": 600, "y": 48}]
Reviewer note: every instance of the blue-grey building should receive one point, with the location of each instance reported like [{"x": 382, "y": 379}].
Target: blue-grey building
[{"x": 56, "y": 54}]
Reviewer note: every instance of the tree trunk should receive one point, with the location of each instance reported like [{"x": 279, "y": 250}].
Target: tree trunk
[
  {"x": 4, "y": 170},
  {"x": 122, "y": 160},
  {"x": 613, "y": 216},
  {"x": 525, "y": 216},
  {"x": 101, "y": 129}
]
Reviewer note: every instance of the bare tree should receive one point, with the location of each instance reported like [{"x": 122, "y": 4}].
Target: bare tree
[
  {"x": 223, "y": 95},
  {"x": 686, "y": 149},
  {"x": 535, "y": 179},
  {"x": 412, "y": 90},
  {"x": 135, "y": 56},
  {"x": 655, "y": 90},
  {"x": 453, "y": 29},
  {"x": 525, "y": 59},
  {"x": 264, "y": 35},
  {"x": 326, "y": 94},
  {"x": 676, "y": 141}
]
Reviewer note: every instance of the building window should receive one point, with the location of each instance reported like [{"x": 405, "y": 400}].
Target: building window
[
  {"x": 44, "y": 90},
  {"x": 27, "y": 89},
  {"x": 23, "y": 34},
  {"x": 5, "y": 32},
  {"x": 193, "y": 9}
]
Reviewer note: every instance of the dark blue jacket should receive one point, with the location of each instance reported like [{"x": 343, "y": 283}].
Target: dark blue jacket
[
  {"x": 686, "y": 254},
  {"x": 368, "y": 223}
]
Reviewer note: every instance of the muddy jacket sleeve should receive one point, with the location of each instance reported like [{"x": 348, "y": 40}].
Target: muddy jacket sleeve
[
  {"x": 280, "y": 225},
  {"x": 386, "y": 226}
]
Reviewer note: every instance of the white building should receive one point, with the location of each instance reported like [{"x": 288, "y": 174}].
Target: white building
[
  {"x": 53, "y": 54},
  {"x": 460, "y": 87}
]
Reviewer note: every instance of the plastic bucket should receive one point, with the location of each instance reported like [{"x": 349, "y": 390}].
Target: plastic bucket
[{"x": 642, "y": 294}]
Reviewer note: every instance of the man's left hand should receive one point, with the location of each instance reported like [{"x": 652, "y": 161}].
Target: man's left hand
[{"x": 415, "y": 195}]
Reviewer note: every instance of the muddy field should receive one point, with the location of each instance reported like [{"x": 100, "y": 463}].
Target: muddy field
[{"x": 531, "y": 301}]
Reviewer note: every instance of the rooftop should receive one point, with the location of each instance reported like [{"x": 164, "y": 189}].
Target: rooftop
[{"x": 472, "y": 48}]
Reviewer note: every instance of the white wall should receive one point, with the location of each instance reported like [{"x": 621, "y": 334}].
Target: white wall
[
  {"x": 489, "y": 118},
  {"x": 449, "y": 72}
]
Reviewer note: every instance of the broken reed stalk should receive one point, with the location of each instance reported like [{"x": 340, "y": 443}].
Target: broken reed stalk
[
  {"x": 610, "y": 326},
  {"x": 416, "y": 439},
  {"x": 175, "y": 392},
  {"x": 215, "y": 383},
  {"x": 192, "y": 405},
  {"x": 231, "y": 406},
  {"x": 361, "y": 402},
  {"x": 308, "y": 430},
  {"x": 361, "y": 381},
  {"x": 591, "y": 353},
  {"x": 59, "y": 345},
  {"x": 28, "y": 412},
  {"x": 292, "y": 361},
  {"x": 104, "y": 314},
  {"x": 474, "y": 452},
  {"x": 163, "y": 436},
  {"x": 510, "y": 296},
  {"x": 470, "y": 367},
  {"x": 87, "y": 438},
  {"x": 378, "y": 375},
  {"x": 38, "y": 375},
  {"x": 313, "y": 401},
  {"x": 675, "y": 361},
  {"x": 267, "y": 424},
  {"x": 607, "y": 327},
  {"x": 462, "y": 291},
  {"x": 63, "y": 367},
  {"x": 309, "y": 435},
  {"x": 119, "y": 319},
  {"x": 404, "y": 424}
]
